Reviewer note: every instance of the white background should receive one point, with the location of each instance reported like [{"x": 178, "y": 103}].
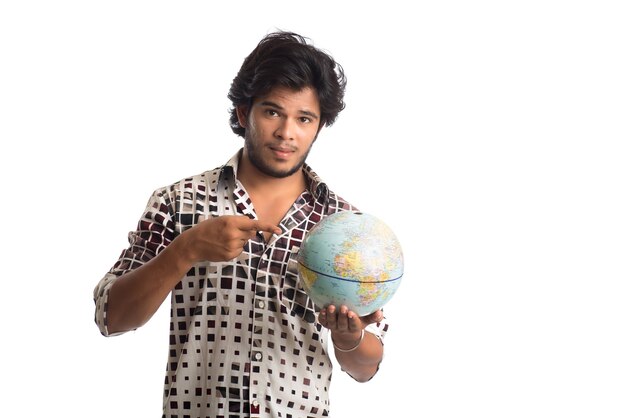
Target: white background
[{"x": 489, "y": 135}]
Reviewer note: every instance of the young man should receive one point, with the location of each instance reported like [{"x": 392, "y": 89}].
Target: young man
[{"x": 245, "y": 340}]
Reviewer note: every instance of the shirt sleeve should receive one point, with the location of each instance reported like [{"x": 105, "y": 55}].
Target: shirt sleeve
[
  {"x": 155, "y": 231},
  {"x": 379, "y": 329}
]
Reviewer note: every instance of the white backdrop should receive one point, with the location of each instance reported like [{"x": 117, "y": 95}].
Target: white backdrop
[{"x": 488, "y": 136}]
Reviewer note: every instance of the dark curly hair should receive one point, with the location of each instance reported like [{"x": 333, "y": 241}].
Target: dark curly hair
[{"x": 287, "y": 59}]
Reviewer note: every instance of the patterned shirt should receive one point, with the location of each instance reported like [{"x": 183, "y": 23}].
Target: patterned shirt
[{"x": 244, "y": 339}]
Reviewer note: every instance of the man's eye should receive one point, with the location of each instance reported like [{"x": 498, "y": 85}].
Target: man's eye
[
  {"x": 305, "y": 120},
  {"x": 271, "y": 112}
]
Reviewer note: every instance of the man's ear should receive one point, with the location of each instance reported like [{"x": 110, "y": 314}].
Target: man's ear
[{"x": 242, "y": 116}]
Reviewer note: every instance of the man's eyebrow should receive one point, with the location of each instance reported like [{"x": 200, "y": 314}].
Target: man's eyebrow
[{"x": 308, "y": 113}]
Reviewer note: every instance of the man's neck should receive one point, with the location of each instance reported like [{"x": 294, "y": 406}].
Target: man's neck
[
  {"x": 271, "y": 196},
  {"x": 260, "y": 184}
]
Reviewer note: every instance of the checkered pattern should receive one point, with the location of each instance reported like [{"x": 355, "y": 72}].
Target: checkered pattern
[{"x": 244, "y": 341}]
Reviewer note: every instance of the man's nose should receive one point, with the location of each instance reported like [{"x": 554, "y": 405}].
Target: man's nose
[{"x": 286, "y": 129}]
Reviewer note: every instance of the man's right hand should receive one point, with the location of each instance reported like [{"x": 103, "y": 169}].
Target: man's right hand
[
  {"x": 135, "y": 296},
  {"x": 221, "y": 238}
]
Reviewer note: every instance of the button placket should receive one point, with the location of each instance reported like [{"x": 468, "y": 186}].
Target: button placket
[{"x": 257, "y": 355}]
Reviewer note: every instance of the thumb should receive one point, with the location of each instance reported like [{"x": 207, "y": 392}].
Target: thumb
[{"x": 372, "y": 318}]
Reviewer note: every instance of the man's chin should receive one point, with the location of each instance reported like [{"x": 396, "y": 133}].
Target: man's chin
[
  {"x": 276, "y": 170},
  {"x": 279, "y": 174}
]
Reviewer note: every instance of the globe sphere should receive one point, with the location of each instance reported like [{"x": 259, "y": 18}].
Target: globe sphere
[{"x": 353, "y": 259}]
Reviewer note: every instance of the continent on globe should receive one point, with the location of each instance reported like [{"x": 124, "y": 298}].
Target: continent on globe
[{"x": 352, "y": 259}]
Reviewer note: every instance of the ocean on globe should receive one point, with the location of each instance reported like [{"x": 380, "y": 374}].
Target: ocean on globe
[{"x": 352, "y": 259}]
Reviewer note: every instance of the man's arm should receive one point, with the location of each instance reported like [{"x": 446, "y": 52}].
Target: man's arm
[
  {"x": 359, "y": 357},
  {"x": 135, "y": 296}
]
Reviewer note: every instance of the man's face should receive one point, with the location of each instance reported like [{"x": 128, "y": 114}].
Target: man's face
[{"x": 280, "y": 130}]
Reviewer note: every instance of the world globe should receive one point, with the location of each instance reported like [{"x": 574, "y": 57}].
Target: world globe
[{"x": 352, "y": 259}]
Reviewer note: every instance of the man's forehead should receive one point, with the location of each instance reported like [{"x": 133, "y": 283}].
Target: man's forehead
[{"x": 283, "y": 97}]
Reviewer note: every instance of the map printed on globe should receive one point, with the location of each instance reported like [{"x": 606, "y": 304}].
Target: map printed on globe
[{"x": 351, "y": 258}]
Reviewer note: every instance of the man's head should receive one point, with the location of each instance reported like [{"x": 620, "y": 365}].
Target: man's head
[
  {"x": 286, "y": 60},
  {"x": 280, "y": 129}
]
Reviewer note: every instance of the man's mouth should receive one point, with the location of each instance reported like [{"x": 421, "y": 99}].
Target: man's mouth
[{"x": 282, "y": 152}]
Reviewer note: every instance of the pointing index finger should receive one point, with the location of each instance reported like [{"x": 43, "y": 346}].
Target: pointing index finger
[
  {"x": 268, "y": 227},
  {"x": 261, "y": 226}
]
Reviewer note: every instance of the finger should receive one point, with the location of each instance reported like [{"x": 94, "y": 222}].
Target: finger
[
  {"x": 354, "y": 322},
  {"x": 267, "y": 227},
  {"x": 250, "y": 227},
  {"x": 342, "y": 318},
  {"x": 374, "y": 317},
  {"x": 249, "y": 234},
  {"x": 331, "y": 317},
  {"x": 323, "y": 318},
  {"x": 259, "y": 226}
]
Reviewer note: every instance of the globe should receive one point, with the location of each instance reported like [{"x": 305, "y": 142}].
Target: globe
[{"x": 352, "y": 259}]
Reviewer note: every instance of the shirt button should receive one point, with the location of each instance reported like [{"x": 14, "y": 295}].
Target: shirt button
[
  {"x": 261, "y": 304},
  {"x": 258, "y": 356},
  {"x": 255, "y": 403},
  {"x": 264, "y": 256}
]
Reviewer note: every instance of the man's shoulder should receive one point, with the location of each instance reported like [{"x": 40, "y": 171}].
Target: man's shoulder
[
  {"x": 321, "y": 191},
  {"x": 206, "y": 180},
  {"x": 337, "y": 203},
  {"x": 202, "y": 182}
]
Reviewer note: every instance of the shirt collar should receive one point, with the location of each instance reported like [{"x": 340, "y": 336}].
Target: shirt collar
[{"x": 316, "y": 186}]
